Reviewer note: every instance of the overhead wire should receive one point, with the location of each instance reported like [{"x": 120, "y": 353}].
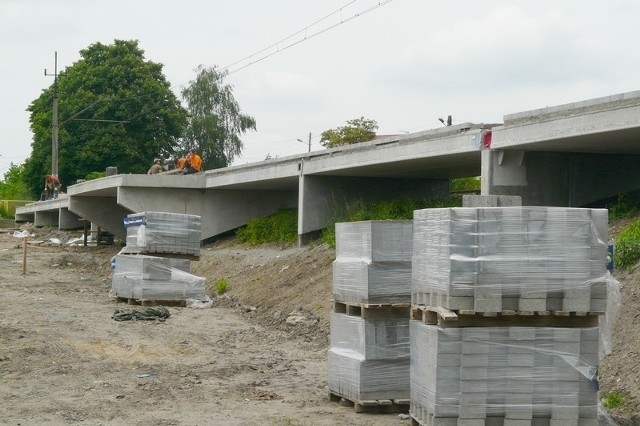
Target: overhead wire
[
  {"x": 279, "y": 49},
  {"x": 276, "y": 44},
  {"x": 307, "y": 36}
]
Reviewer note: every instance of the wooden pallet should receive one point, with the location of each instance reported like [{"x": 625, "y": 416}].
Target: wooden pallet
[
  {"x": 375, "y": 406},
  {"x": 372, "y": 310},
  {"x": 144, "y": 302},
  {"x": 423, "y": 418},
  {"x": 558, "y": 304},
  {"x": 443, "y": 317}
]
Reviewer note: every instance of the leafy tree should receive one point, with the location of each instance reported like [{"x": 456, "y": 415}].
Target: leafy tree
[
  {"x": 357, "y": 130},
  {"x": 115, "y": 109},
  {"x": 14, "y": 187},
  {"x": 215, "y": 122}
]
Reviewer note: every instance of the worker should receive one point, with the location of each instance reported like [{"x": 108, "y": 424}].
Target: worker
[
  {"x": 51, "y": 187},
  {"x": 193, "y": 163},
  {"x": 156, "y": 168},
  {"x": 180, "y": 163}
]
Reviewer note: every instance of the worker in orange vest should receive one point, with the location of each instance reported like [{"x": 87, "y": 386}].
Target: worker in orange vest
[{"x": 193, "y": 163}]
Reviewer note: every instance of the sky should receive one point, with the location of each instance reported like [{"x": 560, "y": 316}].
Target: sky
[{"x": 300, "y": 67}]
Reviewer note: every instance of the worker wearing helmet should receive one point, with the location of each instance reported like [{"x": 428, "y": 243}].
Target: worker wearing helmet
[{"x": 156, "y": 168}]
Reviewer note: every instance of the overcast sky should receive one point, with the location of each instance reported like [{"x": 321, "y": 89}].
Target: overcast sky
[{"x": 404, "y": 64}]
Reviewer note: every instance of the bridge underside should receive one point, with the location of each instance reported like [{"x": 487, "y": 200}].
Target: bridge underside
[{"x": 570, "y": 155}]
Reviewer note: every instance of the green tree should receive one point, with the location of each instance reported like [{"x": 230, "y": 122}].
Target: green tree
[
  {"x": 14, "y": 187},
  {"x": 215, "y": 121},
  {"x": 115, "y": 109},
  {"x": 357, "y": 130}
]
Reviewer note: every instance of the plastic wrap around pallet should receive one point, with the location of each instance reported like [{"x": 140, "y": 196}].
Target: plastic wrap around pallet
[
  {"x": 511, "y": 258},
  {"x": 382, "y": 338},
  {"x": 155, "y": 278},
  {"x": 161, "y": 232},
  {"x": 375, "y": 241},
  {"x": 358, "y": 379},
  {"x": 377, "y": 282},
  {"x": 510, "y": 372},
  {"x": 373, "y": 261}
]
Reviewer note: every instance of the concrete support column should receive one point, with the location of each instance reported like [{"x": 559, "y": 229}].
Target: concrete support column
[
  {"x": 46, "y": 218},
  {"x": 557, "y": 178},
  {"x": 68, "y": 220},
  {"x": 504, "y": 172}
]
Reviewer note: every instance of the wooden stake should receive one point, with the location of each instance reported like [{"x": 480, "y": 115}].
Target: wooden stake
[{"x": 24, "y": 256}]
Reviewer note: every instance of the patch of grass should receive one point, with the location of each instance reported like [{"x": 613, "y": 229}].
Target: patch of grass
[
  {"x": 222, "y": 286},
  {"x": 281, "y": 227},
  {"x": 627, "y": 205},
  {"x": 627, "y": 246},
  {"x": 613, "y": 400},
  {"x": 384, "y": 210},
  {"x": 468, "y": 184},
  {"x": 63, "y": 263}
]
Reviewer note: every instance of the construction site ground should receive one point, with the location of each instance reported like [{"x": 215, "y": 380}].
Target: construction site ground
[{"x": 258, "y": 356}]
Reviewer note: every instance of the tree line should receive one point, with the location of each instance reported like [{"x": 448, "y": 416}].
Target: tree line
[{"x": 115, "y": 108}]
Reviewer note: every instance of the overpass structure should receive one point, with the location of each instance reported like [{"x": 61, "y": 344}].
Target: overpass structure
[{"x": 568, "y": 155}]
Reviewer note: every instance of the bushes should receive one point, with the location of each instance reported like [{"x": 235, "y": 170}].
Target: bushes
[
  {"x": 281, "y": 227},
  {"x": 627, "y": 246},
  {"x": 383, "y": 210}
]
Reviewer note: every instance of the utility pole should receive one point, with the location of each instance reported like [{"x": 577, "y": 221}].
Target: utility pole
[
  {"x": 309, "y": 143},
  {"x": 54, "y": 126}
]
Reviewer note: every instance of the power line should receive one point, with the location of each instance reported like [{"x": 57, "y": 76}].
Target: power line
[{"x": 307, "y": 36}]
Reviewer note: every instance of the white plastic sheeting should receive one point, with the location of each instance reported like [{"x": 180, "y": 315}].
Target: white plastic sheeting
[
  {"x": 373, "y": 261},
  {"x": 155, "y": 278},
  {"x": 359, "y": 379},
  {"x": 511, "y": 258},
  {"x": 509, "y": 372},
  {"x": 370, "y": 338},
  {"x": 162, "y": 232}
]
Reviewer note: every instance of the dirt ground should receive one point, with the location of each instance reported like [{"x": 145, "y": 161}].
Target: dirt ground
[{"x": 257, "y": 357}]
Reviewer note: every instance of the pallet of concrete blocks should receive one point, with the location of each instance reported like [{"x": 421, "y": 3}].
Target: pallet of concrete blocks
[
  {"x": 373, "y": 262},
  {"x": 152, "y": 278},
  {"x": 368, "y": 362},
  {"x": 370, "y": 385},
  {"x": 162, "y": 232},
  {"x": 511, "y": 376},
  {"x": 527, "y": 259}
]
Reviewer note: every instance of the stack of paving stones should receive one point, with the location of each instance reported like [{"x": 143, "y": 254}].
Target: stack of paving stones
[
  {"x": 162, "y": 232},
  {"x": 157, "y": 259},
  {"x": 527, "y": 287},
  {"x": 368, "y": 362}
]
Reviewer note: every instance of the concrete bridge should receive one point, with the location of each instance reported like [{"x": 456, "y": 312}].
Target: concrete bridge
[{"x": 569, "y": 155}]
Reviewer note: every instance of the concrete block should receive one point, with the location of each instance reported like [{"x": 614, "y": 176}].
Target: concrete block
[
  {"x": 521, "y": 360},
  {"x": 386, "y": 240},
  {"x": 516, "y": 422},
  {"x": 532, "y": 304},
  {"x": 488, "y": 305},
  {"x": 473, "y": 405},
  {"x": 469, "y": 200},
  {"x": 471, "y": 422},
  {"x": 474, "y": 360},
  {"x": 564, "y": 422},
  {"x": 473, "y": 386},
  {"x": 358, "y": 281}
]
